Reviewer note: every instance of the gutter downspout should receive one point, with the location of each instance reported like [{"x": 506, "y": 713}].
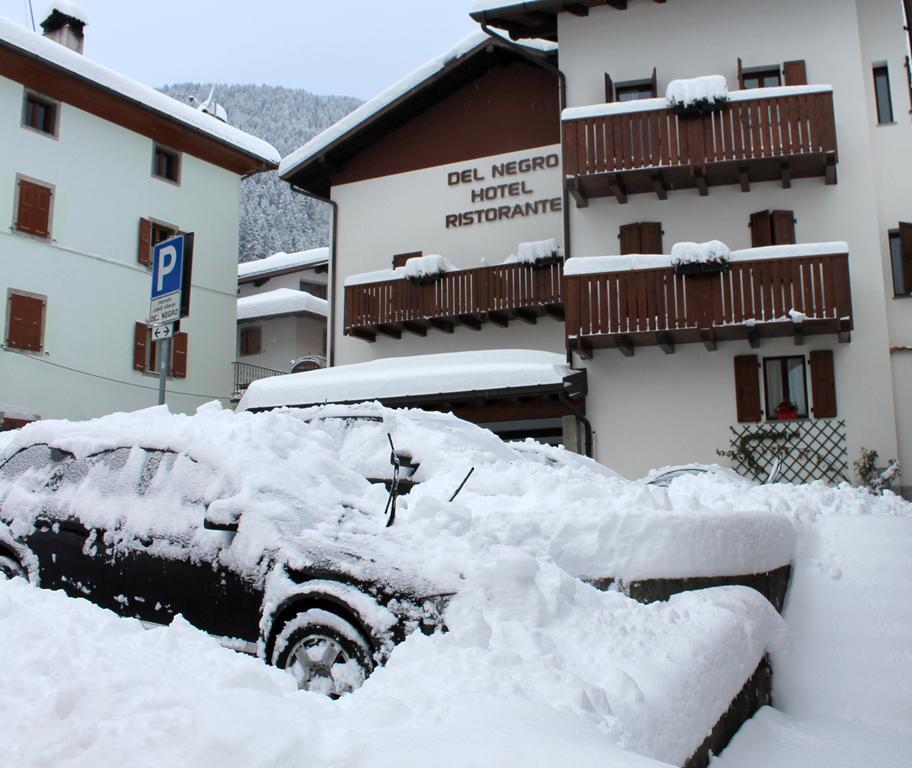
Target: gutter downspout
[{"x": 330, "y": 331}]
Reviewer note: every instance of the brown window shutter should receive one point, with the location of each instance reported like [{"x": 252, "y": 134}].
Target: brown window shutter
[
  {"x": 795, "y": 72},
  {"x": 747, "y": 388},
  {"x": 905, "y": 248},
  {"x": 761, "y": 226},
  {"x": 140, "y": 332},
  {"x": 609, "y": 89},
  {"x": 26, "y": 327},
  {"x": 145, "y": 242},
  {"x": 179, "y": 356},
  {"x": 651, "y": 237},
  {"x": 740, "y": 74},
  {"x": 399, "y": 259},
  {"x": 823, "y": 384},
  {"x": 34, "y": 212},
  {"x": 655, "y": 86},
  {"x": 630, "y": 238},
  {"x": 783, "y": 227},
  {"x": 251, "y": 339}
]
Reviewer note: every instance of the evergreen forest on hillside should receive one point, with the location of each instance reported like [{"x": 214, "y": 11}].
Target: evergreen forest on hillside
[{"x": 273, "y": 218}]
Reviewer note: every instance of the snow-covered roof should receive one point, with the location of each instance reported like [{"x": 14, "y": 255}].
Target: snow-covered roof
[
  {"x": 403, "y": 377},
  {"x": 587, "y": 265},
  {"x": 282, "y": 262},
  {"x": 40, "y": 47},
  {"x": 403, "y": 88},
  {"x": 647, "y": 105},
  {"x": 67, "y": 8},
  {"x": 280, "y": 302}
]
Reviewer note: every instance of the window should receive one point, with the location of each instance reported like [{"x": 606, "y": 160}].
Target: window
[
  {"x": 166, "y": 164},
  {"x": 40, "y": 114},
  {"x": 152, "y": 233},
  {"x": 772, "y": 228},
  {"x": 33, "y": 208},
  {"x": 25, "y": 321},
  {"x": 763, "y": 77},
  {"x": 399, "y": 259},
  {"x": 145, "y": 352},
  {"x": 314, "y": 289},
  {"x": 785, "y": 385},
  {"x": 251, "y": 339},
  {"x": 901, "y": 259},
  {"x": 641, "y": 237},
  {"x": 630, "y": 90},
  {"x": 882, "y": 95}
]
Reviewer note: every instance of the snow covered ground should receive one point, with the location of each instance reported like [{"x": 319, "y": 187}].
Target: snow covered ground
[{"x": 537, "y": 668}]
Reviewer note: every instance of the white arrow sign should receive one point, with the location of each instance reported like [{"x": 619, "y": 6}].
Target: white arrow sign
[{"x": 160, "y": 332}]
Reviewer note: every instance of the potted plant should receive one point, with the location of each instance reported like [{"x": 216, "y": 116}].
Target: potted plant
[
  {"x": 697, "y": 95},
  {"x": 786, "y": 410},
  {"x": 708, "y": 258}
]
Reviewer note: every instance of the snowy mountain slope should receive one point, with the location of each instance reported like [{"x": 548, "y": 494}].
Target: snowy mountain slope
[{"x": 272, "y": 217}]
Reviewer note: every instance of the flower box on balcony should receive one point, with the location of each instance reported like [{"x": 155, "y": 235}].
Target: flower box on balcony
[{"x": 701, "y": 268}]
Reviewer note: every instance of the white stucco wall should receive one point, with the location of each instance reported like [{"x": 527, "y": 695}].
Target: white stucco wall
[
  {"x": 95, "y": 288},
  {"x": 407, "y": 212},
  {"x": 681, "y": 406}
]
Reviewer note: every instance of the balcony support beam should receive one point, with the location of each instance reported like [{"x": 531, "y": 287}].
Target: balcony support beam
[
  {"x": 387, "y": 329},
  {"x": 798, "y": 334},
  {"x": 364, "y": 334},
  {"x": 556, "y": 311},
  {"x": 527, "y": 316},
  {"x": 708, "y": 337},
  {"x": 830, "y": 171},
  {"x": 700, "y": 181},
  {"x": 625, "y": 346},
  {"x": 577, "y": 194},
  {"x": 447, "y": 326},
  {"x": 583, "y": 349},
  {"x": 752, "y": 338},
  {"x": 659, "y": 186},
  {"x": 845, "y": 331},
  {"x": 578, "y": 9},
  {"x": 469, "y": 321},
  {"x": 617, "y": 189},
  {"x": 621, "y": 5},
  {"x": 665, "y": 343},
  {"x": 786, "y": 171},
  {"x": 418, "y": 327},
  {"x": 499, "y": 318},
  {"x": 744, "y": 178}
]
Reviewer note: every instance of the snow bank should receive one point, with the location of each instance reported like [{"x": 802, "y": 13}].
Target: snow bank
[
  {"x": 711, "y": 252},
  {"x": 281, "y": 301},
  {"x": 586, "y": 265},
  {"x": 282, "y": 261},
  {"x": 535, "y": 252},
  {"x": 697, "y": 91},
  {"x": 47, "y": 50}
]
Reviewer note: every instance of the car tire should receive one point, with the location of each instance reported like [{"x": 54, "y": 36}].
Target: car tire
[
  {"x": 10, "y": 569},
  {"x": 325, "y": 653}
]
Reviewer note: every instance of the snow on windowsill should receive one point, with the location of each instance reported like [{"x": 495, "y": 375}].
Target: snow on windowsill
[
  {"x": 648, "y": 105},
  {"x": 587, "y": 265}
]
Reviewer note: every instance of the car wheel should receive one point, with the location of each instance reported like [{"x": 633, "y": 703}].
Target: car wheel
[
  {"x": 9, "y": 568},
  {"x": 324, "y": 652}
]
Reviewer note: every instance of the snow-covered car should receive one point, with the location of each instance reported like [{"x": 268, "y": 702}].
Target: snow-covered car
[
  {"x": 664, "y": 476},
  {"x": 280, "y": 533}
]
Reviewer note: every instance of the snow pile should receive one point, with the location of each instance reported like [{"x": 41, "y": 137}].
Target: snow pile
[
  {"x": 281, "y": 301},
  {"x": 413, "y": 376},
  {"x": 697, "y": 94},
  {"x": 427, "y": 268},
  {"x": 67, "y": 8},
  {"x": 541, "y": 252},
  {"x": 711, "y": 252},
  {"x": 282, "y": 261}
]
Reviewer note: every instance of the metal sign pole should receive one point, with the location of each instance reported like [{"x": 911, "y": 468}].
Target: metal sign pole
[{"x": 165, "y": 349}]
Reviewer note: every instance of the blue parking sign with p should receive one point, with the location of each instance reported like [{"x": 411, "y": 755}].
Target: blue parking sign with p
[{"x": 167, "y": 266}]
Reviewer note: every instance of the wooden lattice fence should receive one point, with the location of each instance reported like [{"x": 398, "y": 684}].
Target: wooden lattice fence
[{"x": 801, "y": 451}]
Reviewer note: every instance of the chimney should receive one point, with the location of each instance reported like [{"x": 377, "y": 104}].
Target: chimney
[{"x": 64, "y": 22}]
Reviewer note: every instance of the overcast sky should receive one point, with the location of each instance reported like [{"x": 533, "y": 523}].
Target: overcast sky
[{"x": 344, "y": 47}]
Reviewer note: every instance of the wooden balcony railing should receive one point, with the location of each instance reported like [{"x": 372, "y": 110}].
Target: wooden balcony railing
[
  {"x": 469, "y": 297},
  {"x": 750, "y": 300},
  {"x": 789, "y": 134}
]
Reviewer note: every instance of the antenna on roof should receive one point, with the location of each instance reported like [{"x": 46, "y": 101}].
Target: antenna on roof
[{"x": 32, "y": 15}]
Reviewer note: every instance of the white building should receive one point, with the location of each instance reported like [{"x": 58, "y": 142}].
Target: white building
[
  {"x": 803, "y": 347},
  {"x": 95, "y": 169},
  {"x": 281, "y": 315}
]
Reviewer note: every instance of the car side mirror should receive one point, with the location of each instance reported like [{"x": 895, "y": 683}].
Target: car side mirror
[{"x": 221, "y": 518}]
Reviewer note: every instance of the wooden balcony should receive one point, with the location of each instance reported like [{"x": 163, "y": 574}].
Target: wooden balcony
[
  {"x": 469, "y": 297},
  {"x": 788, "y": 135},
  {"x": 750, "y": 300}
]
